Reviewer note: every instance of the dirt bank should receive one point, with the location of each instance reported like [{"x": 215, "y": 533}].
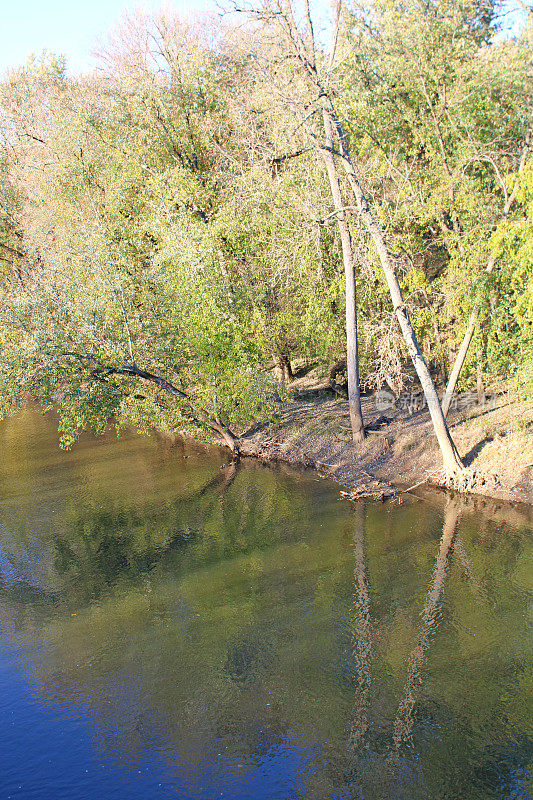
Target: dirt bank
[{"x": 494, "y": 438}]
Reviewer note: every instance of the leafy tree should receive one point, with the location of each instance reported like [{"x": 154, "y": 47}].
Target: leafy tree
[
  {"x": 120, "y": 294},
  {"x": 441, "y": 111}
]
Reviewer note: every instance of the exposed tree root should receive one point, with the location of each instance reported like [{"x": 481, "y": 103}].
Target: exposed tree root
[{"x": 470, "y": 481}]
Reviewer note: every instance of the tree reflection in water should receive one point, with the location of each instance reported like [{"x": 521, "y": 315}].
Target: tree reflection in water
[
  {"x": 361, "y": 629},
  {"x": 360, "y": 624},
  {"x": 226, "y": 624},
  {"x": 403, "y": 723}
]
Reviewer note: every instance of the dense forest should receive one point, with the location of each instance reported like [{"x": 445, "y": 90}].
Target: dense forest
[{"x": 264, "y": 187}]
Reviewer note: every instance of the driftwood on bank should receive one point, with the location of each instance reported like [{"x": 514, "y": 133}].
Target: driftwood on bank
[{"x": 371, "y": 490}]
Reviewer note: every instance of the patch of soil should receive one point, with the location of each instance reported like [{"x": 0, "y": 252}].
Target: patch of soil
[{"x": 400, "y": 451}]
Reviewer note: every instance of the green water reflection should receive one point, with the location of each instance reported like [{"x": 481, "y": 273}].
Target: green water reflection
[{"x": 209, "y": 613}]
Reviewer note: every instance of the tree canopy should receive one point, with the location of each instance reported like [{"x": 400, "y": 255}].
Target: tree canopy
[{"x": 168, "y": 233}]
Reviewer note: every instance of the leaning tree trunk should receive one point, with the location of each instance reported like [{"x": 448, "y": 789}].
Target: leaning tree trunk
[
  {"x": 227, "y": 436},
  {"x": 472, "y": 322},
  {"x": 302, "y": 47},
  {"x": 352, "y": 354},
  {"x": 453, "y": 465},
  {"x": 200, "y": 417}
]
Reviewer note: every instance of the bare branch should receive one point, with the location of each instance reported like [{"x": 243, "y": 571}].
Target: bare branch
[{"x": 335, "y": 39}]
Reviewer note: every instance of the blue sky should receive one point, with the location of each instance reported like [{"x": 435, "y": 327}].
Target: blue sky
[
  {"x": 69, "y": 27},
  {"x": 74, "y": 27}
]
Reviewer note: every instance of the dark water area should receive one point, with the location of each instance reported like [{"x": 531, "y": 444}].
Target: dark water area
[{"x": 171, "y": 626}]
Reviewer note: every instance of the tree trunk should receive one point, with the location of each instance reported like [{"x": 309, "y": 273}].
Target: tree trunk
[
  {"x": 199, "y": 416},
  {"x": 303, "y": 48},
  {"x": 452, "y": 463},
  {"x": 459, "y": 361},
  {"x": 338, "y": 384},
  {"x": 352, "y": 353},
  {"x": 480, "y": 386},
  {"x": 228, "y": 438},
  {"x": 284, "y": 369}
]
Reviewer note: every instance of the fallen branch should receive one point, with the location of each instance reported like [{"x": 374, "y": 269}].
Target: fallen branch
[{"x": 415, "y": 486}]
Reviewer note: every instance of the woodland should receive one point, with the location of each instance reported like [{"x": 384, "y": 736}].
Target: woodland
[{"x": 276, "y": 184}]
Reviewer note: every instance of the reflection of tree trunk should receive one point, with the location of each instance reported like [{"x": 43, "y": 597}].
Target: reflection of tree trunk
[
  {"x": 229, "y": 474},
  {"x": 213, "y": 495},
  {"x": 465, "y": 561},
  {"x": 403, "y": 724},
  {"x": 361, "y": 632},
  {"x": 223, "y": 479}
]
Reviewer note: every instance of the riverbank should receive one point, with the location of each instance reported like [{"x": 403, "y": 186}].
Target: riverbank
[{"x": 494, "y": 438}]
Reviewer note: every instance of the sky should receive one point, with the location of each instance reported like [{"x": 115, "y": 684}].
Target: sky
[
  {"x": 75, "y": 27},
  {"x": 69, "y": 27}
]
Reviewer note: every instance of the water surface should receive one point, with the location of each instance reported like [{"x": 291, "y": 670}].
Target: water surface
[{"x": 171, "y": 626}]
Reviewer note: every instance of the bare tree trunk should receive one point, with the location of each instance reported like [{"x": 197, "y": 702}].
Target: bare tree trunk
[
  {"x": 471, "y": 327},
  {"x": 480, "y": 386},
  {"x": 460, "y": 360},
  {"x": 302, "y": 47},
  {"x": 352, "y": 353},
  {"x": 453, "y": 465}
]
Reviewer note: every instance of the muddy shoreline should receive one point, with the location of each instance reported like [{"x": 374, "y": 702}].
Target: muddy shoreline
[{"x": 495, "y": 440}]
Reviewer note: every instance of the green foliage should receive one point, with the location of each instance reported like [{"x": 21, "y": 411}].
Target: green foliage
[
  {"x": 169, "y": 214},
  {"x": 510, "y": 332},
  {"x": 127, "y": 275},
  {"x": 439, "y": 109}
]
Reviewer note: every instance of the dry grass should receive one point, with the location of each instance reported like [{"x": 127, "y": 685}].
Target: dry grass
[{"x": 500, "y": 441}]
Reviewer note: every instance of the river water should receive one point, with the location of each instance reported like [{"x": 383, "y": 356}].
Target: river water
[{"x": 173, "y": 627}]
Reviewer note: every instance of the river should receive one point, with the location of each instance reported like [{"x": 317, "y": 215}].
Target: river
[{"x": 173, "y": 626}]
